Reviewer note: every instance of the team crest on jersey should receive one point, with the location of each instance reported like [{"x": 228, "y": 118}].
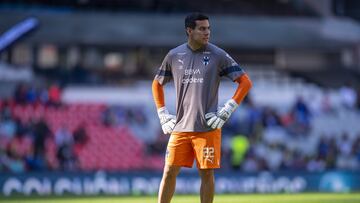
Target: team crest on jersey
[{"x": 206, "y": 60}]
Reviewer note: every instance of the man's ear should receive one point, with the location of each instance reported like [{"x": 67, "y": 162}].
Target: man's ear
[{"x": 188, "y": 31}]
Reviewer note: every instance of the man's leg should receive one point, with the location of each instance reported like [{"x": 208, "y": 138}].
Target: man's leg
[
  {"x": 207, "y": 188},
  {"x": 168, "y": 182}
]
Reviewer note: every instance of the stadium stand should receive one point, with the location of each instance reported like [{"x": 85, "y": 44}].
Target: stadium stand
[{"x": 82, "y": 102}]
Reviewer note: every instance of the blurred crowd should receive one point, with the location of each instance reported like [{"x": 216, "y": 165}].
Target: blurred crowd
[
  {"x": 24, "y": 145},
  {"x": 265, "y": 138},
  {"x": 256, "y": 137},
  {"x": 257, "y": 151}
]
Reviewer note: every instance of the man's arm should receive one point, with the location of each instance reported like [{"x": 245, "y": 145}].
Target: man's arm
[
  {"x": 244, "y": 86},
  {"x": 167, "y": 120},
  {"x": 218, "y": 120},
  {"x": 158, "y": 94}
]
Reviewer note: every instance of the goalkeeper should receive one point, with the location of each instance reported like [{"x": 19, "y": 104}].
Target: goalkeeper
[{"x": 196, "y": 68}]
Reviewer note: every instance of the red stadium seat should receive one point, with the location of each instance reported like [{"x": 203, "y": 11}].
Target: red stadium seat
[{"x": 108, "y": 148}]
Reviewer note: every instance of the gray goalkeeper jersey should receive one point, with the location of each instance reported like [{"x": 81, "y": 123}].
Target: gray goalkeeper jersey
[{"x": 196, "y": 75}]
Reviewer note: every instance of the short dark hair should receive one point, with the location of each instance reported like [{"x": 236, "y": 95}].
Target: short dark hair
[{"x": 191, "y": 18}]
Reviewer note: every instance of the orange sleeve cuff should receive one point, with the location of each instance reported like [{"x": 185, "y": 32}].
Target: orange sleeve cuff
[
  {"x": 243, "y": 88},
  {"x": 158, "y": 94}
]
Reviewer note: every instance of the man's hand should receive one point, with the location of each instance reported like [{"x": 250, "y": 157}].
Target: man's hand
[
  {"x": 213, "y": 121},
  {"x": 217, "y": 120},
  {"x": 229, "y": 107},
  {"x": 167, "y": 120}
]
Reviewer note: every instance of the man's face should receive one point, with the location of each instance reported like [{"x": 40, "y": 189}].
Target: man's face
[{"x": 201, "y": 33}]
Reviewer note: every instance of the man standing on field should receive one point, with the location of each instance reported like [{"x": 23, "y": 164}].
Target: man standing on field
[{"x": 196, "y": 68}]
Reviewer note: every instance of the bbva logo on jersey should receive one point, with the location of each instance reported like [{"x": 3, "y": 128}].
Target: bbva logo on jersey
[{"x": 206, "y": 60}]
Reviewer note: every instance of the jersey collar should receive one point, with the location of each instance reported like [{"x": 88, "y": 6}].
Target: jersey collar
[{"x": 201, "y": 49}]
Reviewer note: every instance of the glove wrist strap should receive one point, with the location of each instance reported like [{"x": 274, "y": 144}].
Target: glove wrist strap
[
  {"x": 161, "y": 111},
  {"x": 232, "y": 104}
]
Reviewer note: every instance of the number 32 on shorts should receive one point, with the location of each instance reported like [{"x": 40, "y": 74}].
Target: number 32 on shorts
[{"x": 208, "y": 154}]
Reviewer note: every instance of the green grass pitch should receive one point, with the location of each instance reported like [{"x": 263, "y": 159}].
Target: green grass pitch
[{"x": 240, "y": 198}]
